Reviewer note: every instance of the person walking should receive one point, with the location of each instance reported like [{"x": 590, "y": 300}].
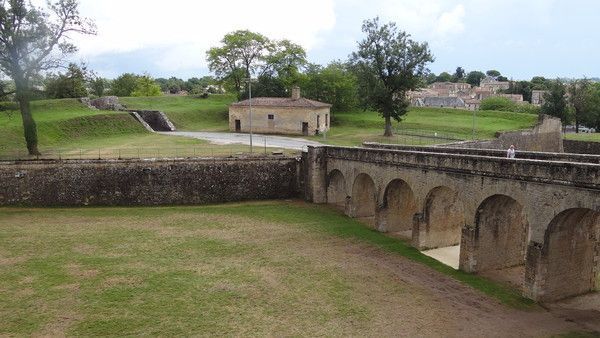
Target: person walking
[{"x": 510, "y": 153}]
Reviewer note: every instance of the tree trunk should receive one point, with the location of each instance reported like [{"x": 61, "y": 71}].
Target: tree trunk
[
  {"x": 388, "y": 126},
  {"x": 29, "y": 127}
]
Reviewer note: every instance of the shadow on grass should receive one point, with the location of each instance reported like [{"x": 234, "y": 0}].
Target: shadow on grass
[{"x": 331, "y": 221}]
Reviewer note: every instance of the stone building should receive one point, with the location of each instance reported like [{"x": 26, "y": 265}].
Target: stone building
[
  {"x": 537, "y": 97},
  {"x": 280, "y": 115},
  {"x": 493, "y": 85}
]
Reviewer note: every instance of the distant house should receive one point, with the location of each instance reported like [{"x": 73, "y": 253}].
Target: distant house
[
  {"x": 442, "y": 102},
  {"x": 537, "y": 97},
  {"x": 293, "y": 115},
  {"x": 493, "y": 85}
]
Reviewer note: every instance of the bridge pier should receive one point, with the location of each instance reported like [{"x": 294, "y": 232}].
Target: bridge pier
[{"x": 315, "y": 179}]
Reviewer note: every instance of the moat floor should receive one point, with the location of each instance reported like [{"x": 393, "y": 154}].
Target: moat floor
[{"x": 282, "y": 268}]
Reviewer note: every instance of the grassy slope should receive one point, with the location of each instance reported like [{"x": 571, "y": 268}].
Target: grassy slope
[
  {"x": 591, "y": 137},
  {"x": 70, "y": 126},
  {"x": 66, "y": 126},
  {"x": 186, "y": 112},
  {"x": 353, "y": 127},
  {"x": 211, "y": 270}
]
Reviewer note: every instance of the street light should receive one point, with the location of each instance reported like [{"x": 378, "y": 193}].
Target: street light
[{"x": 249, "y": 81}]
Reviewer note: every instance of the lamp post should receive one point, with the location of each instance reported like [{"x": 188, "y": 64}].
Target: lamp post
[
  {"x": 473, "y": 124},
  {"x": 249, "y": 80}
]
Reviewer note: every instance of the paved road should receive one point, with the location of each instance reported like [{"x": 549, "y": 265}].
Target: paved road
[{"x": 257, "y": 139}]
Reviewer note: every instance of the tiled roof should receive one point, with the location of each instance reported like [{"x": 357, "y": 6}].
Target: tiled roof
[{"x": 282, "y": 102}]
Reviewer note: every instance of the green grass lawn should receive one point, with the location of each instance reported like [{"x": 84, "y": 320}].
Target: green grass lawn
[
  {"x": 187, "y": 112},
  {"x": 353, "y": 128},
  {"x": 260, "y": 268},
  {"x": 67, "y": 126},
  {"x": 68, "y": 129},
  {"x": 590, "y": 137}
]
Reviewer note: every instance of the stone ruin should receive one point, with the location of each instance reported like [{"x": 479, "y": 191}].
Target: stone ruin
[{"x": 103, "y": 103}]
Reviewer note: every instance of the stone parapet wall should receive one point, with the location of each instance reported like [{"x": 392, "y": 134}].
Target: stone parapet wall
[
  {"x": 146, "y": 182},
  {"x": 531, "y": 155},
  {"x": 582, "y": 147},
  {"x": 545, "y": 136}
]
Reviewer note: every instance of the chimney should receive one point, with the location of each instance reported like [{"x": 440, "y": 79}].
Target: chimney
[{"x": 295, "y": 93}]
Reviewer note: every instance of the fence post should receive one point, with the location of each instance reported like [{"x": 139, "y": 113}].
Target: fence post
[
  {"x": 265, "y": 145},
  {"x": 119, "y": 153}
]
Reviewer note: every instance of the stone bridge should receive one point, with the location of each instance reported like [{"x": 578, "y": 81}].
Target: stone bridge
[{"x": 535, "y": 219}]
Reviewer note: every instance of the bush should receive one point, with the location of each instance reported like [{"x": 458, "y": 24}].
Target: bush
[
  {"x": 498, "y": 103},
  {"x": 527, "y": 108}
]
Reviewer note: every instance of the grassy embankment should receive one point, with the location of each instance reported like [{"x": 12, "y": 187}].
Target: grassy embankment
[
  {"x": 68, "y": 127},
  {"x": 261, "y": 268},
  {"x": 349, "y": 128},
  {"x": 591, "y": 137}
]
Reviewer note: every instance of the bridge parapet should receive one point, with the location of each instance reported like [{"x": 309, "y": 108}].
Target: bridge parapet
[
  {"x": 531, "y": 155},
  {"x": 584, "y": 175}
]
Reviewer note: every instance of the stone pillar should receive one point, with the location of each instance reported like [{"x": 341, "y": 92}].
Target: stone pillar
[
  {"x": 381, "y": 217},
  {"x": 295, "y": 93},
  {"x": 316, "y": 175},
  {"x": 418, "y": 227},
  {"x": 535, "y": 270},
  {"x": 468, "y": 247}
]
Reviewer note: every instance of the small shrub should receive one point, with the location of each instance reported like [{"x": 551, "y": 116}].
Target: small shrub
[{"x": 498, "y": 103}]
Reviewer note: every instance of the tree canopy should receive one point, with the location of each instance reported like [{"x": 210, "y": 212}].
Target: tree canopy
[
  {"x": 388, "y": 64},
  {"x": 33, "y": 40},
  {"x": 244, "y": 54}
]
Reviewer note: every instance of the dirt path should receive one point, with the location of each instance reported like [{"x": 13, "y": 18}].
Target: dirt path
[{"x": 471, "y": 313}]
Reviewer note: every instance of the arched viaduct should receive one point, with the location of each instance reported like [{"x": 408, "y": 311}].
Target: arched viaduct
[{"x": 539, "y": 217}]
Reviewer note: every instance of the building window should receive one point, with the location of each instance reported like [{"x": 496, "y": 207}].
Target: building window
[
  {"x": 326, "y": 120},
  {"x": 271, "y": 117}
]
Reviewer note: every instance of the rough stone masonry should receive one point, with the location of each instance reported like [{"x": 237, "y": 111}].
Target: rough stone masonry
[{"x": 146, "y": 182}]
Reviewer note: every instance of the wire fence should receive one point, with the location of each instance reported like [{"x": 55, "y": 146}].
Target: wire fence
[
  {"x": 146, "y": 153},
  {"x": 419, "y": 137}
]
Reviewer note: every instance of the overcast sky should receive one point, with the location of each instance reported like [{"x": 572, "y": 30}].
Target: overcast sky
[{"x": 520, "y": 38}]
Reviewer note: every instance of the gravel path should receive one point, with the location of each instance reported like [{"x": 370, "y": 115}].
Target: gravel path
[{"x": 257, "y": 139}]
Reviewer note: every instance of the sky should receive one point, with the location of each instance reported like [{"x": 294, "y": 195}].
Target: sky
[{"x": 520, "y": 38}]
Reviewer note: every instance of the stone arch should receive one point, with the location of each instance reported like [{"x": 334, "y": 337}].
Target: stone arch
[
  {"x": 364, "y": 199},
  {"x": 570, "y": 254},
  {"x": 441, "y": 221},
  {"x": 398, "y": 209},
  {"x": 336, "y": 189},
  {"x": 501, "y": 230}
]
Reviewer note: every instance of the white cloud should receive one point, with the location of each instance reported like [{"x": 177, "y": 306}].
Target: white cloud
[
  {"x": 433, "y": 20},
  {"x": 450, "y": 23},
  {"x": 185, "y": 29}
]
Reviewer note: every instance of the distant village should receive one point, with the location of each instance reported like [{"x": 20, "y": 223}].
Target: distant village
[{"x": 462, "y": 95}]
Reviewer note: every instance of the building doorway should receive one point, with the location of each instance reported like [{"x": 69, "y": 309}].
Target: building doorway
[
  {"x": 238, "y": 126},
  {"x": 305, "y": 128}
]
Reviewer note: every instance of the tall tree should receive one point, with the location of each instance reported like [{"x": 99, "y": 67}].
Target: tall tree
[
  {"x": 578, "y": 95},
  {"x": 244, "y": 54},
  {"x": 388, "y": 64},
  {"x": 33, "y": 40},
  {"x": 493, "y": 73},
  {"x": 334, "y": 84},
  {"x": 71, "y": 84},
  {"x": 474, "y": 78},
  {"x": 124, "y": 85},
  {"x": 241, "y": 55},
  {"x": 459, "y": 75},
  {"x": 444, "y": 77},
  {"x": 555, "y": 103},
  {"x": 591, "y": 118}
]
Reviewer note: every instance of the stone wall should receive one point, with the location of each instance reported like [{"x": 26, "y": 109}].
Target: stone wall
[
  {"x": 157, "y": 120},
  {"x": 581, "y": 147},
  {"x": 146, "y": 182},
  {"x": 530, "y": 155},
  {"x": 545, "y": 136},
  {"x": 285, "y": 120}
]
